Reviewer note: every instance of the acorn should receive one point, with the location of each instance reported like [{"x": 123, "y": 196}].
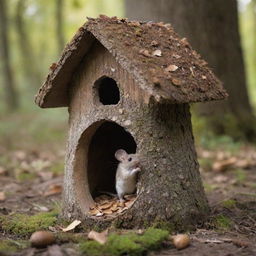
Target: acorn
[
  {"x": 181, "y": 241},
  {"x": 40, "y": 239}
]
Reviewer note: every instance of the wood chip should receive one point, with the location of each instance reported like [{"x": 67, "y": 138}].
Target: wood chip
[
  {"x": 71, "y": 226},
  {"x": 99, "y": 237}
]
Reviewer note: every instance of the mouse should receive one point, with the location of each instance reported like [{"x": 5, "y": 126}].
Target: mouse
[{"x": 126, "y": 173}]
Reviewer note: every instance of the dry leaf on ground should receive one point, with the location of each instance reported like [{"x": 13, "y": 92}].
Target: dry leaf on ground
[
  {"x": 53, "y": 189},
  {"x": 171, "y": 68},
  {"x": 107, "y": 206},
  {"x": 2, "y": 196},
  {"x": 71, "y": 226},
  {"x": 222, "y": 165},
  {"x": 99, "y": 237}
]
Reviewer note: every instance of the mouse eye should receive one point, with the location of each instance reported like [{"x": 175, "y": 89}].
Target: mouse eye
[{"x": 129, "y": 159}]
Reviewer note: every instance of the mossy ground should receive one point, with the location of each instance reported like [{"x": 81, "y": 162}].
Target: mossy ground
[
  {"x": 24, "y": 225},
  {"x": 222, "y": 222},
  {"x": 126, "y": 244},
  {"x": 11, "y": 246}
]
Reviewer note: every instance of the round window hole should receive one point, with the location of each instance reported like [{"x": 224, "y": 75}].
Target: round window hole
[{"x": 108, "y": 91}]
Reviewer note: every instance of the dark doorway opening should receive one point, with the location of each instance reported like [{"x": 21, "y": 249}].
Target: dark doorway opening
[
  {"x": 108, "y": 91},
  {"x": 102, "y": 164}
]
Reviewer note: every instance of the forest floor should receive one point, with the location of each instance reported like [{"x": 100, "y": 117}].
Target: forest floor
[{"x": 31, "y": 183}]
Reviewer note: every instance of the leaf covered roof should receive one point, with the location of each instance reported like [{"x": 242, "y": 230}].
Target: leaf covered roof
[{"x": 162, "y": 64}]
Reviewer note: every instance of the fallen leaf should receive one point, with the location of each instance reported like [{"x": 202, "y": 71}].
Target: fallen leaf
[
  {"x": 71, "y": 226},
  {"x": 53, "y": 189},
  {"x": 220, "y": 178},
  {"x": 3, "y": 171},
  {"x": 157, "y": 53},
  {"x": 171, "y": 68},
  {"x": 145, "y": 53},
  {"x": 106, "y": 205},
  {"x": 99, "y": 237},
  {"x": 107, "y": 211},
  {"x": 176, "y": 81},
  {"x": 221, "y": 166},
  {"x": 94, "y": 211},
  {"x": 240, "y": 243},
  {"x": 2, "y": 196},
  {"x": 176, "y": 56}
]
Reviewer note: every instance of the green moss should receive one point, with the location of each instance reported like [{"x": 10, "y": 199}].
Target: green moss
[
  {"x": 57, "y": 168},
  {"x": 240, "y": 175},
  {"x": 25, "y": 176},
  {"x": 206, "y": 163},
  {"x": 24, "y": 225},
  {"x": 223, "y": 222},
  {"x": 209, "y": 187},
  {"x": 229, "y": 203},
  {"x": 127, "y": 244},
  {"x": 12, "y": 246}
]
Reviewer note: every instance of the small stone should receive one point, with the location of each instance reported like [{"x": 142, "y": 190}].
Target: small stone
[
  {"x": 112, "y": 69},
  {"x": 127, "y": 122},
  {"x": 121, "y": 111},
  {"x": 157, "y": 53},
  {"x": 41, "y": 239},
  {"x": 145, "y": 53},
  {"x": 114, "y": 118},
  {"x": 154, "y": 43},
  {"x": 181, "y": 241}
]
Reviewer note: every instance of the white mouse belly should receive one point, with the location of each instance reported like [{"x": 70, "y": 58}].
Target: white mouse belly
[{"x": 126, "y": 186}]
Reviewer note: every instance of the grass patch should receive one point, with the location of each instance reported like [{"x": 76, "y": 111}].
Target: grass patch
[
  {"x": 25, "y": 225},
  {"x": 209, "y": 187},
  {"x": 240, "y": 175},
  {"x": 223, "y": 222},
  {"x": 11, "y": 246},
  {"x": 127, "y": 244},
  {"x": 229, "y": 203}
]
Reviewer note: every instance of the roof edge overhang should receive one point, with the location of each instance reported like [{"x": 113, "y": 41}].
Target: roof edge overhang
[{"x": 54, "y": 92}]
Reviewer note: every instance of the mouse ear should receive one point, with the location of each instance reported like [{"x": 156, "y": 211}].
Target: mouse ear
[{"x": 121, "y": 155}]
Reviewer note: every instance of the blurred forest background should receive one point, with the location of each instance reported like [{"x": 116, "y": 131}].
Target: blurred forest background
[{"x": 33, "y": 34}]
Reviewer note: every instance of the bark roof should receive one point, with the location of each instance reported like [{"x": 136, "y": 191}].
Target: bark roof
[{"x": 161, "y": 63}]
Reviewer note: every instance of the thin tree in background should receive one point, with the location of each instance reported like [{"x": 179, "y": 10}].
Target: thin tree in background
[
  {"x": 59, "y": 24},
  {"x": 26, "y": 49},
  {"x": 212, "y": 29},
  {"x": 8, "y": 77},
  {"x": 252, "y": 6}
]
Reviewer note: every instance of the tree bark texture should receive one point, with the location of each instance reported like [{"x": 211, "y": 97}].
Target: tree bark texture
[
  {"x": 169, "y": 188},
  {"x": 26, "y": 48},
  {"x": 212, "y": 29},
  {"x": 9, "y": 87},
  {"x": 59, "y": 25}
]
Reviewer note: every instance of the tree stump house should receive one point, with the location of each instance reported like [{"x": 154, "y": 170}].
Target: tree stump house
[{"x": 128, "y": 85}]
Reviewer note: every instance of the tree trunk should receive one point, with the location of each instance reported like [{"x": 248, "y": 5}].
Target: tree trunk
[
  {"x": 59, "y": 24},
  {"x": 212, "y": 29},
  {"x": 26, "y": 49},
  {"x": 11, "y": 96}
]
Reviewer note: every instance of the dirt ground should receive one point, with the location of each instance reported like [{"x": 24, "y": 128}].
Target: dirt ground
[{"x": 31, "y": 182}]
